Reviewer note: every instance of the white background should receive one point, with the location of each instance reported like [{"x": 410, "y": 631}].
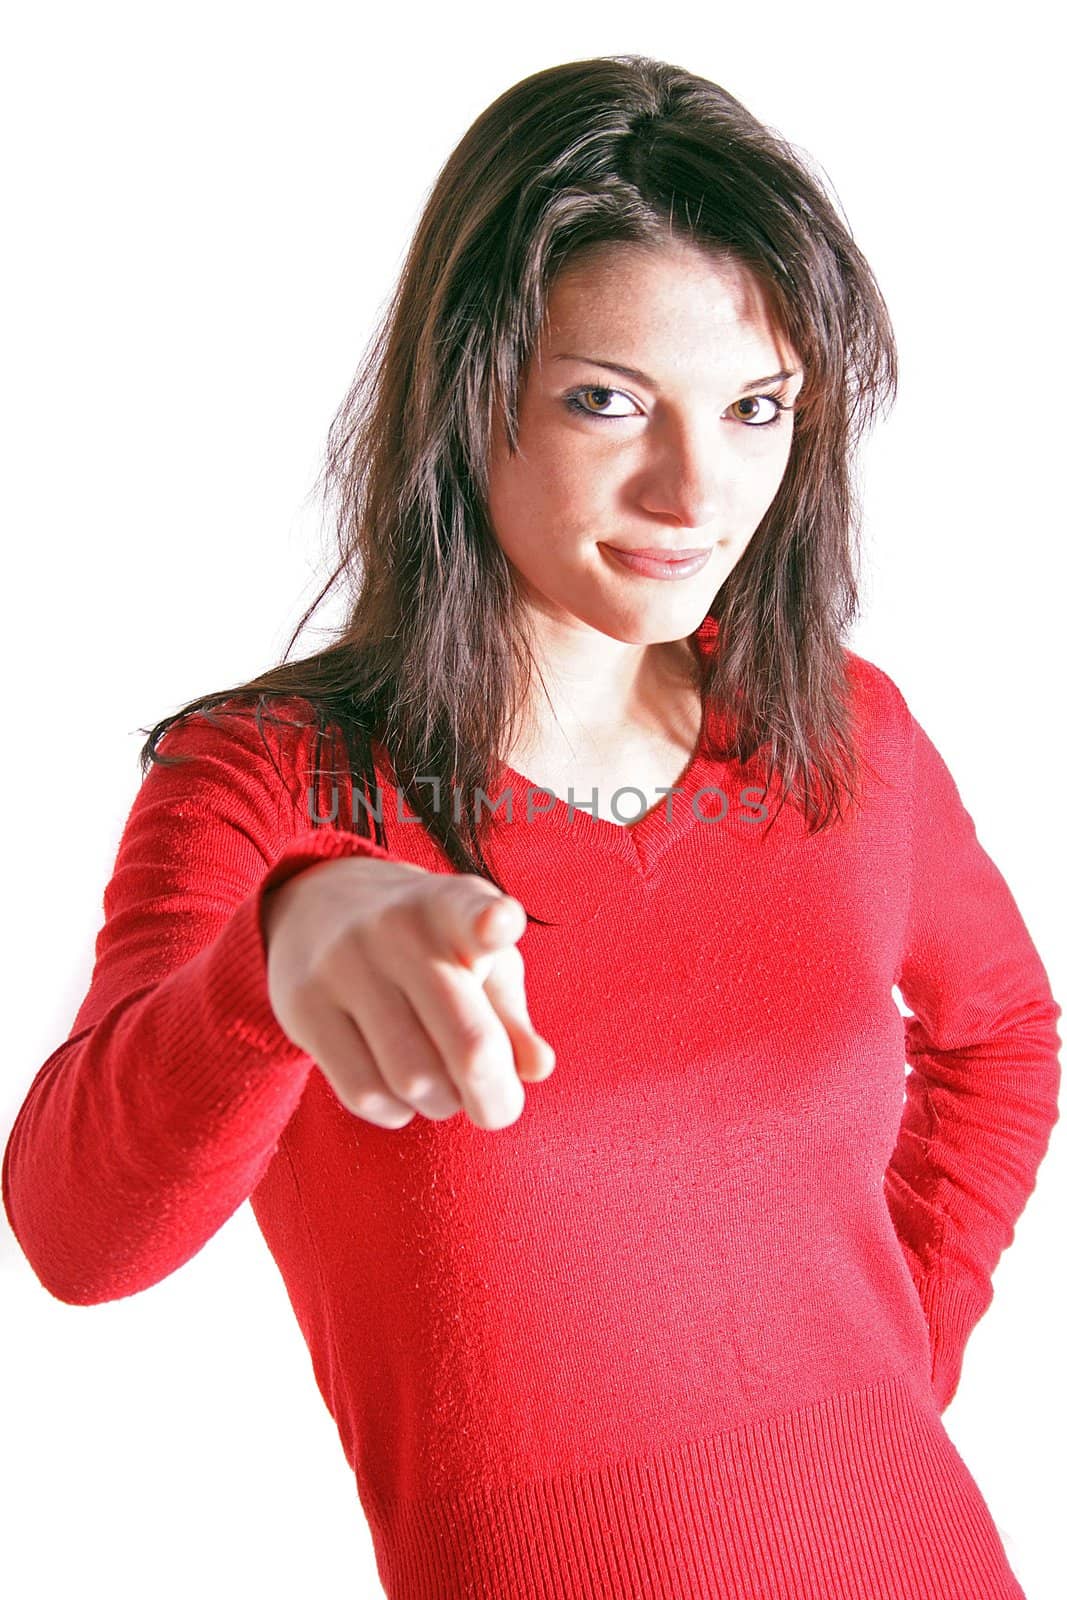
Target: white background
[{"x": 206, "y": 207}]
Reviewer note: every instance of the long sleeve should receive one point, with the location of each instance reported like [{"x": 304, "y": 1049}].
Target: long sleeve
[
  {"x": 148, "y": 1127},
  {"x": 982, "y": 1044}
]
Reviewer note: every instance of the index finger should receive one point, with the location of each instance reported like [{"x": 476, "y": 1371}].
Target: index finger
[{"x": 475, "y": 1047}]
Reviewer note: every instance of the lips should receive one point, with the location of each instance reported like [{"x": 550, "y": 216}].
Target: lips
[
  {"x": 674, "y": 565},
  {"x": 654, "y": 553}
]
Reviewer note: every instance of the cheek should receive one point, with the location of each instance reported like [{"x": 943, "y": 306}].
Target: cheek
[
  {"x": 753, "y": 485},
  {"x": 512, "y": 484},
  {"x": 541, "y": 492},
  {"x": 765, "y": 468},
  {"x": 525, "y": 512}
]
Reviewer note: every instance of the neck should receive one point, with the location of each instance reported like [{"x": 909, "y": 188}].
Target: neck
[{"x": 579, "y": 711}]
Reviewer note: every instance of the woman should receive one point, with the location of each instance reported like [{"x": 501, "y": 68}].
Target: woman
[{"x": 683, "y": 1321}]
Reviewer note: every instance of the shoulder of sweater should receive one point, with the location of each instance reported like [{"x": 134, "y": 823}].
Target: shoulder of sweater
[
  {"x": 228, "y": 738},
  {"x": 883, "y": 721},
  {"x": 874, "y": 687}
]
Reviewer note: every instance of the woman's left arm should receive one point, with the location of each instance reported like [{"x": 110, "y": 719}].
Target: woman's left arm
[{"x": 982, "y": 1095}]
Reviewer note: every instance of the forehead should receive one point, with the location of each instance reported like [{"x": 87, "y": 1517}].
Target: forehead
[{"x": 674, "y": 295}]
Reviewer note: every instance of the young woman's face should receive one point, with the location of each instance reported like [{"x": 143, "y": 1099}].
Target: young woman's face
[{"x": 687, "y": 457}]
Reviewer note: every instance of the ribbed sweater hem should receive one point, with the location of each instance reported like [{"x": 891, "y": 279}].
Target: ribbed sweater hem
[{"x": 860, "y": 1497}]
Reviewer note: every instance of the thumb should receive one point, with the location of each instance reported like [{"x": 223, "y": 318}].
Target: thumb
[
  {"x": 473, "y": 922},
  {"x": 496, "y": 928},
  {"x": 494, "y": 925},
  {"x": 502, "y": 921}
]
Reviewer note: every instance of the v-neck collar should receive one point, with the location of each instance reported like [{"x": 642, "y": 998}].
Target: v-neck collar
[
  {"x": 565, "y": 831},
  {"x": 640, "y": 843}
]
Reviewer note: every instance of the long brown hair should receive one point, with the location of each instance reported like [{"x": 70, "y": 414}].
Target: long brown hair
[{"x": 433, "y": 660}]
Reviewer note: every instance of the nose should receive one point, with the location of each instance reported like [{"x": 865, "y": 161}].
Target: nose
[{"x": 688, "y": 479}]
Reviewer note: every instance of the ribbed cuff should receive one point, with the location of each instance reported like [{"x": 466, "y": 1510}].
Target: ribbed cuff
[
  {"x": 952, "y": 1306},
  {"x": 318, "y": 844}
]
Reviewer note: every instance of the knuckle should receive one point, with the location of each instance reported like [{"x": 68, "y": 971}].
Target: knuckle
[
  {"x": 472, "y": 1041},
  {"x": 372, "y": 1105},
  {"x": 414, "y": 1083},
  {"x": 296, "y": 1004}
]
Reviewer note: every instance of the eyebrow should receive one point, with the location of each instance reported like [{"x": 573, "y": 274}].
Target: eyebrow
[{"x": 650, "y": 383}]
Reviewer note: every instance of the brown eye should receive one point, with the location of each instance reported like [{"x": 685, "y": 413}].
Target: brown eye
[
  {"x": 754, "y": 400},
  {"x": 606, "y": 393},
  {"x": 575, "y": 403}
]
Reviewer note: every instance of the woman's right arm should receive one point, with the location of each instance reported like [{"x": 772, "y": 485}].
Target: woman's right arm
[{"x": 144, "y": 1131}]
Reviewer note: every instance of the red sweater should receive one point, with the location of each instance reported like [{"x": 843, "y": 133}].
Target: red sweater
[{"x": 686, "y": 1328}]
